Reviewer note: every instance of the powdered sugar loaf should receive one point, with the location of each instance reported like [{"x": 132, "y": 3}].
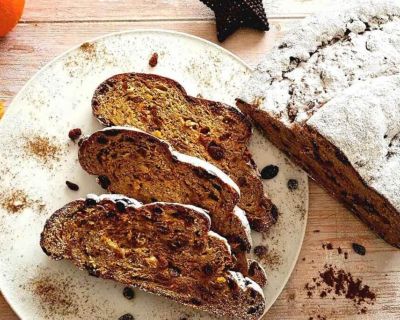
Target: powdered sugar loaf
[{"x": 325, "y": 55}]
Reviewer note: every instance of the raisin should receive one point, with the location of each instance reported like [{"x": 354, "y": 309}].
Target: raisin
[
  {"x": 359, "y": 249},
  {"x": 204, "y": 130},
  {"x": 241, "y": 181},
  {"x": 104, "y": 181},
  {"x": 120, "y": 206},
  {"x": 254, "y": 266},
  {"x": 110, "y": 214},
  {"x": 175, "y": 271},
  {"x": 153, "y": 60},
  {"x": 274, "y": 212},
  {"x": 196, "y": 302},
  {"x": 269, "y": 172},
  {"x": 177, "y": 244},
  {"x": 260, "y": 251},
  {"x": 232, "y": 284},
  {"x": 253, "y": 293},
  {"x": 213, "y": 196},
  {"x": 74, "y": 134},
  {"x": 102, "y": 140},
  {"x": 90, "y": 202},
  {"x": 111, "y": 132},
  {"x": 341, "y": 156},
  {"x": 72, "y": 186},
  {"x": 208, "y": 269},
  {"x": 292, "y": 184},
  {"x": 128, "y": 293},
  {"x": 126, "y": 316},
  {"x": 201, "y": 173},
  {"x": 157, "y": 210},
  {"x": 216, "y": 152},
  {"x": 217, "y": 186},
  {"x": 92, "y": 271}
]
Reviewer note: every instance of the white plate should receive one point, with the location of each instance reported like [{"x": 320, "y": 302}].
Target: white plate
[{"x": 56, "y": 100}]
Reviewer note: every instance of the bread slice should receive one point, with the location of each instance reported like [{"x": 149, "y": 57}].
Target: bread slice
[
  {"x": 205, "y": 129},
  {"x": 163, "y": 248},
  {"x": 134, "y": 163}
]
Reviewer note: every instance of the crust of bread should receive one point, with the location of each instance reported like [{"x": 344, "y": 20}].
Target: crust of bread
[
  {"x": 195, "y": 273},
  {"x": 205, "y": 129},
  {"x": 327, "y": 165}
]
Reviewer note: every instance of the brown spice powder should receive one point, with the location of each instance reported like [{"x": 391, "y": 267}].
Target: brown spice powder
[
  {"x": 15, "y": 201},
  {"x": 55, "y": 295},
  {"x": 89, "y": 50},
  {"x": 42, "y": 148},
  {"x": 270, "y": 258}
]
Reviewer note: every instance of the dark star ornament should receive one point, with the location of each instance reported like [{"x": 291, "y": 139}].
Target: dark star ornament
[{"x": 230, "y": 15}]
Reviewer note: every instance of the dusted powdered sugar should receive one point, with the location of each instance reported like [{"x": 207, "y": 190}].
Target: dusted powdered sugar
[
  {"x": 339, "y": 72},
  {"x": 364, "y": 123},
  {"x": 324, "y": 55}
]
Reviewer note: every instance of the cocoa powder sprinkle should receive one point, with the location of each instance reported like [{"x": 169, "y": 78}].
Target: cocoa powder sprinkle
[{"x": 333, "y": 282}]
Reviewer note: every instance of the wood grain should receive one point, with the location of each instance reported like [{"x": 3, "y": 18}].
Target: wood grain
[
  {"x": 50, "y": 27},
  {"x": 128, "y": 10}
]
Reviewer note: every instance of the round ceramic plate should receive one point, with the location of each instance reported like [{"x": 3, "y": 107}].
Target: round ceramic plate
[{"x": 37, "y": 158}]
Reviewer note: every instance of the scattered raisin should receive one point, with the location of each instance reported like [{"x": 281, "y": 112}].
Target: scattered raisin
[
  {"x": 126, "y": 316},
  {"x": 274, "y": 212},
  {"x": 104, "y": 181},
  {"x": 74, "y": 134},
  {"x": 260, "y": 251},
  {"x": 216, "y": 152},
  {"x": 252, "y": 310},
  {"x": 269, "y": 172},
  {"x": 359, "y": 249},
  {"x": 153, "y": 60},
  {"x": 72, "y": 186},
  {"x": 128, "y": 293},
  {"x": 292, "y": 184},
  {"x": 90, "y": 202},
  {"x": 120, "y": 206}
]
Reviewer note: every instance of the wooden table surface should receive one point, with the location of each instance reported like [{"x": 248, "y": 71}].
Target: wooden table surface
[{"x": 49, "y": 27}]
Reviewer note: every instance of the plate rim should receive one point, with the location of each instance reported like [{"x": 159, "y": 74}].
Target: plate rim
[{"x": 270, "y": 303}]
